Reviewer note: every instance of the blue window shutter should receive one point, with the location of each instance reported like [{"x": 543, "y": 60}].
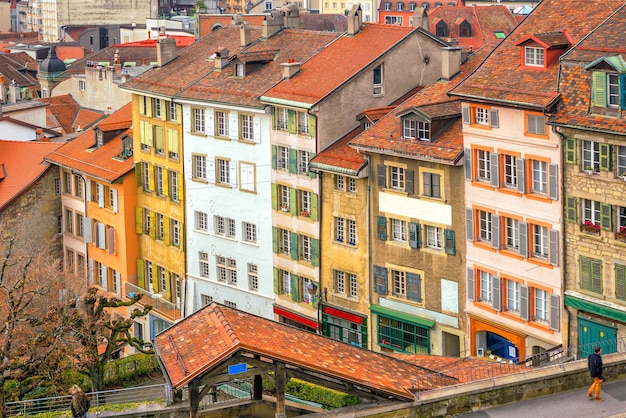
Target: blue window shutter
[
  {"x": 414, "y": 287},
  {"x": 382, "y": 228},
  {"x": 450, "y": 243},
  {"x": 414, "y": 235},
  {"x": 622, "y": 87},
  {"x": 380, "y": 280}
]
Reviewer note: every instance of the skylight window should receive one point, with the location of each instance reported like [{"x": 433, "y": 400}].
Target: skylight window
[{"x": 499, "y": 34}]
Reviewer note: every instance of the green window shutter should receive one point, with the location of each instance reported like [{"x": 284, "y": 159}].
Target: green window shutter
[
  {"x": 274, "y": 157},
  {"x": 139, "y": 220},
  {"x": 570, "y": 151},
  {"x": 138, "y": 174},
  {"x": 620, "y": 282},
  {"x": 315, "y": 252},
  {"x": 152, "y": 225},
  {"x": 596, "y": 276},
  {"x": 274, "y": 189},
  {"x": 450, "y": 243},
  {"x": 314, "y": 209},
  {"x": 293, "y": 201},
  {"x": 295, "y": 288},
  {"x": 605, "y": 216},
  {"x": 382, "y": 228},
  {"x": 140, "y": 275},
  {"x": 312, "y": 173},
  {"x": 276, "y": 282},
  {"x": 584, "y": 273},
  {"x": 293, "y": 242},
  {"x": 598, "y": 88},
  {"x": 293, "y": 161},
  {"x": 312, "y": 127},
  {"x": 292, "y": 126},
  {"x": 571, "y": 209},
  {"x": 275, "y": 239},
  {"x": 273, "y": 118},
  {"x": 605, "y": 157}
]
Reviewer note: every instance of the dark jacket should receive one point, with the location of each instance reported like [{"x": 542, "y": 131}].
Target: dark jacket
[
  {"x": 80, "y": 404},
  {"x": 595, "y": 365}
]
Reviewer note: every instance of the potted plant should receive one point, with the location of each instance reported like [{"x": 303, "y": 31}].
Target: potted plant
[
  {"x": 284, "y": 208},
  {"x": 621, "y": 234},
  {"x": 590, "y": 227},
  {"x": 622, "y": 175},
  {"x": 588, "y": 170}
]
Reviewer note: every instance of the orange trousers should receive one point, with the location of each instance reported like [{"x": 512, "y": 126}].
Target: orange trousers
[{"x": 597, "y": 386}]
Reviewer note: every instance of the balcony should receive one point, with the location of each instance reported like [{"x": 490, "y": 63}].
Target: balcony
[{"x": 156, "y": 300}]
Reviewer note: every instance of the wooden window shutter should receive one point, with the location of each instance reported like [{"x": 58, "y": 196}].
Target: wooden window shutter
[
  {"x": 496, "y": 302},
  {"x": 520, "y": 172},
  {"x": 570, "y": 150},
  {"x": 140, "y": 274},
  {"x": 382, "y": 228},
  {"x": 554, "y": 247},
  {"x": 553, "y": 181},
  {"x": 410, "y": 181},
  {"x": 524, "y": 305},
  {"x": 622, "y": 86},
  {"x": 380, "y": 280},
  {"x": 274, "y": 157},
  {"x": 293, "y": 161},
  {"x": 495, "y": 169},
  {"x": 495, "y": 231},
  {"x": 382, "y": 175},
  {"x": 471, "y": 288},
  {"x": 275, "y": 239},
  {"x": 555, "y": 312},
  {"x": 596, "y": 276},
  {"x": 605, "y": 157},
  {"x": 620, "y": 282},
  {"x": 88, "y": 228},
  {"x": 293, "y": 201},
  {"x": 414, "y": 287},
  {"x": 605, "y": 217},
  {"x": 291, "y": 121},
  {"x": 166, "y": 231},
  {"x": 312, "y": 127},
  {"x": 465, "y": 114},
  {"x": 469, "y": 224},
  {"x": 273, "y": 120},
  {"x": 523, "y": 239},
  {"x": 450, "y": 242},
  {"x": 414, "y": 235},
  {"x": 276, "y": 282},
  {"x": 314, "y": 207},
  {"x": 312, "y": 173},
  {"x": 295, "y": 288},
  {"x": 493, "y": 119},
  {"x": 598, "y": 88},
  {"x": 110, "y": 240},
  {"x": 571, "y": 209},
  {"x": 293, "y": 242},
  {"x": 138, "y": 221},
  {"x": 315, "y": 252},
  {"x": 467, "y": 163},
  {"x": 138, "y": 175}
]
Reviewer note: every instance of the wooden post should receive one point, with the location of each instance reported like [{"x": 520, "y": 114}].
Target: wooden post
[
  {"x": 194, "y": 398},
  {"x": 257, "y": 384},
  {"x": 281, "y": 382}
]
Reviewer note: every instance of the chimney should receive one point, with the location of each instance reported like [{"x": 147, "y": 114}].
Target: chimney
[
  {"x": 291, "y": 16},
  {"x": 420, "y": 18},
  {"x": 290, "y": 68},
  {"x": 244, "y": 34},
  {"x": 221, "y": 58},
  {"x": 14, "y": 92},
  {"x": 3, "y": 90},
  {"x": 38, "y": 134},
  {"x": 355, "y": 19},
  {"x": 272, "y": 23},
  {"x": 166, "y": 51},
  {"x": 450, "y": 61}
]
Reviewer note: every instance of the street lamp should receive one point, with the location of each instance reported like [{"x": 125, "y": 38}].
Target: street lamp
[{"x": 312, "y": 289}]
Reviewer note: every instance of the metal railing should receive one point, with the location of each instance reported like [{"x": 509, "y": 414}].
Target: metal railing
[{"x": 156, "y": 300}]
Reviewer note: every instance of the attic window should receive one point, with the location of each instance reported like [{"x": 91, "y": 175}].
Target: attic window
[
  {"x": 127, "y": 147},
  {"x": 400, "y": 6},
  {"x": 465, "y": 29},
  {"x": 387, "y": 6},
  {"x": 499, "y": 34},
  {"x": 99, "y": 138},
  {"x": 442, "y": 29},
  {"x": 534, "y": 56},
  {"x": 425, "y": 6},
  {"x": 608, "y": 89},
  {"x": 412, "y": 6},
  {"x": 239, "y": 69},
  {"x": 415, "y": 129}
]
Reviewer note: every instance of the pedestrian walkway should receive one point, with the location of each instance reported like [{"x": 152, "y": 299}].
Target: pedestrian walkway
[{"x": 570, "y": 404}]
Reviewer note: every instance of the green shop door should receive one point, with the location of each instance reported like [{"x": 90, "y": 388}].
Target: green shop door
[{"x": 591, "y": 334}]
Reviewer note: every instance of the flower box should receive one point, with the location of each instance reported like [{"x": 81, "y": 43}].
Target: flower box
[
  {"x": 590, "y": 227},
  {"x": 305, "y": 213},
  {"x": 285, "y": 208},
  {"x": 621, "y": 234}
]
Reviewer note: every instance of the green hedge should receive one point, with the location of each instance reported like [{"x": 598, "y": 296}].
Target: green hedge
[
  {"x": 328, "y": 398},
  {"x": 130, "y": 368}
]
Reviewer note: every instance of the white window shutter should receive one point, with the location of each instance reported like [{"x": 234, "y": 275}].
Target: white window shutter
[
  {"x": 118, "y": 284},
  {"x": 256, "y": 130},
  {"x": 111, "y": 240},
  {"x": 114, "y": 194},
  {"x": 91, "y": 272},
  {"x": 100, "y": 194},
  {"x": 210, "y": 122},
  {"x": 233, "y": 174},
  {"x": 103, "y": 274},
  {"x": 233, "y": 126},
  {"x": 88, "y": 190},
  {"x": 101, "y": 237},
  {"x": 210, "y": 169},
  {"x": 187, "y": 120},
  {"x": 87, "y": 230}
]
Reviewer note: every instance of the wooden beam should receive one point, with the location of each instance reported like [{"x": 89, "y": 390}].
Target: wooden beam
[
  {"x": 194, "y": 398},
  {"x": 281, "y": 382},
  {"x": 223, "y": 378}
]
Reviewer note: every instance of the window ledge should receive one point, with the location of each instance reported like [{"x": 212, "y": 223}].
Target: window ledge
[
  {"x": 544, "y": 326},
  {"x": 198, "y": 134},
  {"x": 395, "y": 191}
]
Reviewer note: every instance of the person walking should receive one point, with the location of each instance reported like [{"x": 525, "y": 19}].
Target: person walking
[
  {"x": 594, "y": 361},
  {"x": 80, "y": 402}
]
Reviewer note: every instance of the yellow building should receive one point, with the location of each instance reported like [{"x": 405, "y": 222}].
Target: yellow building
[{"x": 344, "y": 305}]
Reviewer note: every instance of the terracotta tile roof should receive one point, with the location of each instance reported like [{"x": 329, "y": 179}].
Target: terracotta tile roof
[
  {"x": 340, "y": 157},
  {"x": 24, "y": 165},
  {"x": 12, "y": 67},
  {"x": 256, "y": 56},
  {"x": 376, "y": 113},
  {"x": 66, "y": 52},
  {"x": 212, "y": 335},
  {"x": 85, "y": 118},
  {"x": 63, "y": 112},
  {"x": 386, "y": 135},
  {"x": 484, "y": 21},
  {"x": 502, "y": 79},
  {"x": 432, "y": 4},
  {"x": 607, "y": 40},
  {"x": 347, "y": 56},
  {"x": 81, "y": 155},
  {"x": 548, "y": 39}
]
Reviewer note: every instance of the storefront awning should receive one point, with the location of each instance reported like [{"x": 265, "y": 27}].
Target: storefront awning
[
  {"x": 596, "y": 308},
  {"x": 401, "y": 316}
]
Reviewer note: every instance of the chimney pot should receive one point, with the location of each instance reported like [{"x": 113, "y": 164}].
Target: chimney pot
[{"x": 290, "y": 68}]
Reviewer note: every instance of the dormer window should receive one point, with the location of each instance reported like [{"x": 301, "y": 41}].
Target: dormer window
[
  {"x": 239, "y": 69},
  {"x": 387, "y": 6},
  {"x": 465, "y": 29},
  {"x": 425, "y": 6},
  {"x": 400, "y": 6},
  {"x": 415, "y": 129},
  {"x": 612, "y": 90},
  {"x": 412, "y": 6},
  {"x": 441, "y": 29},
  {"x": 99, "y": 137},
  {"x": 127, "y": 147},
  {"x": 608, "y": 85},
  {"x": 533, "y": 56}
]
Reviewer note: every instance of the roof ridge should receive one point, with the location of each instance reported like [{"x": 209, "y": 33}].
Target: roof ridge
[{"x": 226, "y": 324}]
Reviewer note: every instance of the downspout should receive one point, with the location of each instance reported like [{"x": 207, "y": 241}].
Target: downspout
[{"x": 369, "y": 251}]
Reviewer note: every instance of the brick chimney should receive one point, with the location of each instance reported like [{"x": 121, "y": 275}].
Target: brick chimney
[
  {"x": 38, "y": 134},
  {"x": 272, "y": 23},
  {"x": 166, "y": 51},
  {"x": 244, "y": 34},
  {"x": 451, "y": 57},
  {"x": 14, "y": 92},
  {"x": 290, "y": 68},
  {"x": 221, "y": 58},
  {"x": 355, "y": 19}
]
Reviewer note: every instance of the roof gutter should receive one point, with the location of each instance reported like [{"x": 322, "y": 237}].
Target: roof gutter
[
  {"x": 336, "y": 169},
  {"x": 584, "y": 128},
  {"x": 515, "y": 105},
  {"x": 283, "y": 102}
]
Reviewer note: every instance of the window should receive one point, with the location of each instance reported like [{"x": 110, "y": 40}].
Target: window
[
  {"x": 82, "y": 85},
  {"x": 304, "y": 203},
  {"x": 345, "y": 230},
  {"x": 621, "y": 161},
  {"x": 483, "y": 159},
  {"x": 67, "y": 183},
  {"x": 542, "y": 305},
  {"x": 199, "y": 167},
  {"x": 400, "y": 6},
  {"x": 162, "y": 280},
  {"x": 431, "y": 185},
  {"x": 232, "y": 271},
  {"x": 57, "y": 186},
  {"x": 305, "y": 248},
  {"x": 535, "y": 124},
  {"x": 513, "y": 290},
  {"x": 239, "y": 70},
  {"x": 174, "y": 233},
  {"x": 387, "y": 6},
  {"x": 206, "y": 300},
  {"x": 621, "y": 218},
  {"x": 268, "y": 5},
  {"x": 253, "y": 277},
  {"x": 612, "y": 90},
  {"x": 486, "y": 286},
  {"x": 69, "y": 221},
  {"x": 222, "y": 273},
  {"x": 201, "y": 221},
  {"x": 412, "y": 6},
  {"x": 484, "y": 226},
  {"x": 591, "y": 274},
  {"x": 204, "y": 263},
  {"x": 172, "y": 111},
  {"x": 284, "y": 241},
  {"x": 145, "y": 177},
  {"x": 353, "y": 285},
  {"x": 340, "y": 229},
  {"x": 156, "y": 108},
  {"x": 80, "y": 265},
  {"x": 591, "y": 156},
  {"x": 539, "y": 177},
  {"x": 378, "y": 80},
  {"x": 509, "y": 171},
  {"x": 511, "y": 234},
  {"x": 247, "y": 127},
  {"x": 403, "y": 336},
  {"x": 591, "y": 212},
  {"x": 398, "y": 230},
  {"x": 148, "y": 275},
  {"x": 223, "y": 171},
  {"x": 282, "y": 161},
  {"x": 533, "y": 57},
  {"x": 351, "y": 232},
  {"x": 221, "y": 119},
  {"x": 146, "y": 221},
  {"x": 159, "y": 226},
  {"x": 540, "y": 241},
  {"x": 247, "y": 177},
  {"x": 399, "y": 282},
  {"x": 396, "y": 177},
  {"x": 441, "y": 29},
  {"x": 69, "y": 259},
  {"x": 303, "y": 162},
  {"x": 340, "y": 281},
  {"x": 79, "y": 225},
  {"x": 285, "y": 282},
  {"x": 392, "y": 20},
  {"x": 198, "y": 120},
  {"x": 482, "y": 116},
  {"x": 225, "y": 226},
  {"x": 409, "y": 129},
  {"x": 340, "y": 182},
  {"x": 351, "y": 185},
  {"x": 434, "y": 237},
  {"x": 78, "y": 186},
  {"x": 303, "y": 123},
  {"x": 158, "y": 180},
  {"x": 173, "y": 185},
  {"x": 249, "y": 232},
  {"x": 283, "y": 198},
  {"x": 281, "y": 118}
]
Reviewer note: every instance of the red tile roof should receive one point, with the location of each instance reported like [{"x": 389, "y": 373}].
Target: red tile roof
[
  {"x": 607, "y": 40},
  {"x": 63, "y": 111},
  {"x": 386, "y": 135},
  {"x": 340, "y": 157},
  {"x": 501, "y": 79},
  {"x": 314, "y": 81},
  {"x": 375, "y": 113},
  {"x": 81, "y": 154},
  {"x": 212, "y": 335},
  {"x": 24, "y": 165}
]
